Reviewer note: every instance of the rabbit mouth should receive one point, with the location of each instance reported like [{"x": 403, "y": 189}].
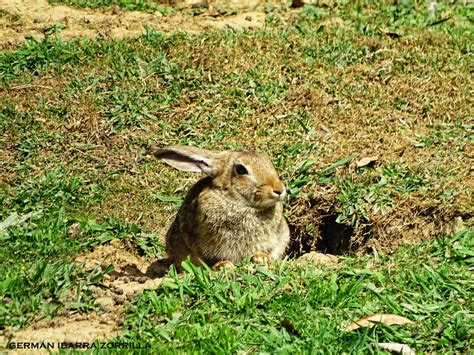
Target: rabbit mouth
[
  {"x": 267, "y": 202},
  {"x": 267, "y": 198}
]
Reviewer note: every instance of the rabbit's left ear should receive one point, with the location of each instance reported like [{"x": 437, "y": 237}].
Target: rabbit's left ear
[{"x": 188, "y": 159}]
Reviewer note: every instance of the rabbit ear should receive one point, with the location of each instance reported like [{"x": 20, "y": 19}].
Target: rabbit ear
[{"x": 188, "y": 159}]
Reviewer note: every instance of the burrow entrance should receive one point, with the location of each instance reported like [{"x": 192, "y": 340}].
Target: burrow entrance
[
  {"x": 323, "y": 234},
  {"x": 314, "y": 227}
]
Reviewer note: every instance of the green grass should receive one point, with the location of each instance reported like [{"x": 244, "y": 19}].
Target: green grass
[
  {"x": 130, "y": 5},
  {"x": 78, "y": 119},
  {"x": 302, "y": 308},
  {"x": 42, "y": 277}
]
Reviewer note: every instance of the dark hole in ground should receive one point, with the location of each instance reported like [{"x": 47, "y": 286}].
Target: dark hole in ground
[
  {"x": 335, "y": 238},
  {"x": 315, "y": 229},
  {"x": 324, "y": 235}
]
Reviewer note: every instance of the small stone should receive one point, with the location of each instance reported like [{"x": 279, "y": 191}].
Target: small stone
[
  {"x": 319, "y": 258},
  {"x": 142, "y": 280}
]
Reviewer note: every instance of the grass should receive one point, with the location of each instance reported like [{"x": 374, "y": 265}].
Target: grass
[
  {"x": 301, "y": 308},
  {"x": 78, "y": 119},
  {"x": 43, "y": 277},
  {"x": 130, "y": 5}
]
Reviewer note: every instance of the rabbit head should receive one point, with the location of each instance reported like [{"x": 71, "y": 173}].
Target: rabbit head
[{"x": 247, "y": 177}]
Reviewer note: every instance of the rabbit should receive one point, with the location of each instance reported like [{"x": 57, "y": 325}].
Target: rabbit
[{"x": 235, "y": 212}]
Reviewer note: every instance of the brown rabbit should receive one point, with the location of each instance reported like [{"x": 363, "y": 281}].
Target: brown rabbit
[{"x": 233, "y": 213}]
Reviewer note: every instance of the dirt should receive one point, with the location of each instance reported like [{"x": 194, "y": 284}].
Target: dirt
[
  {"x": 131, "y": 276},
  {"x": 34, "y": 17}
]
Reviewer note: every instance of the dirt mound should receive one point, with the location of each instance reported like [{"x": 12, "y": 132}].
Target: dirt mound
[
  {"x": 131, "y": 273},
  {"x": 35, "y": 17},
  {"x": 131, "y": 276}
]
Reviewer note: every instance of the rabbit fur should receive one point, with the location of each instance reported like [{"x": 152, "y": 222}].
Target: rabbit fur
[{"x": 234, "y": 212}]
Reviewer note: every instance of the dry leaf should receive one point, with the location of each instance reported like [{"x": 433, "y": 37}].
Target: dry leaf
[
  {"x": 396, "y": 348},
  {"x": 370, "y": 321},
  {"x": 366, "y": 161},
  {"x": 391, "y": 34}
]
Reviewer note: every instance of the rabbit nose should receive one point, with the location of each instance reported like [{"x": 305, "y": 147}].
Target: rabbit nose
[{"x": 280, "y": 192}]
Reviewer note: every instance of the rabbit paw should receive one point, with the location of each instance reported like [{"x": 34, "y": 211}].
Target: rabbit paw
[
  {"x": 224, "y": 264},
  {"x": 260, "y": 258}
]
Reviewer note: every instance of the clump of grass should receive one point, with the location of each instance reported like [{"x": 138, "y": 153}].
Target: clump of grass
[{"x": 130, "y": 5}]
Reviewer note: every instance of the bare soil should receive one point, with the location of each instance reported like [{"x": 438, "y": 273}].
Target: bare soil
[{"x": 37, "y": 16}]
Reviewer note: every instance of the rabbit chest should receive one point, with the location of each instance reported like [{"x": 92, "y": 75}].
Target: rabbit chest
[{"x": 226, "y": 229}]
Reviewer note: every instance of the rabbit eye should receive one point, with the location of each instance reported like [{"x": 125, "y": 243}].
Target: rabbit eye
[{"x": 240, "y": 169}]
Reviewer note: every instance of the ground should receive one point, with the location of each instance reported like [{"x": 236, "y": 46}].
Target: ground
[
  {"x": 34, "y": 16},
  {"x": 366, "y": 111}
]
